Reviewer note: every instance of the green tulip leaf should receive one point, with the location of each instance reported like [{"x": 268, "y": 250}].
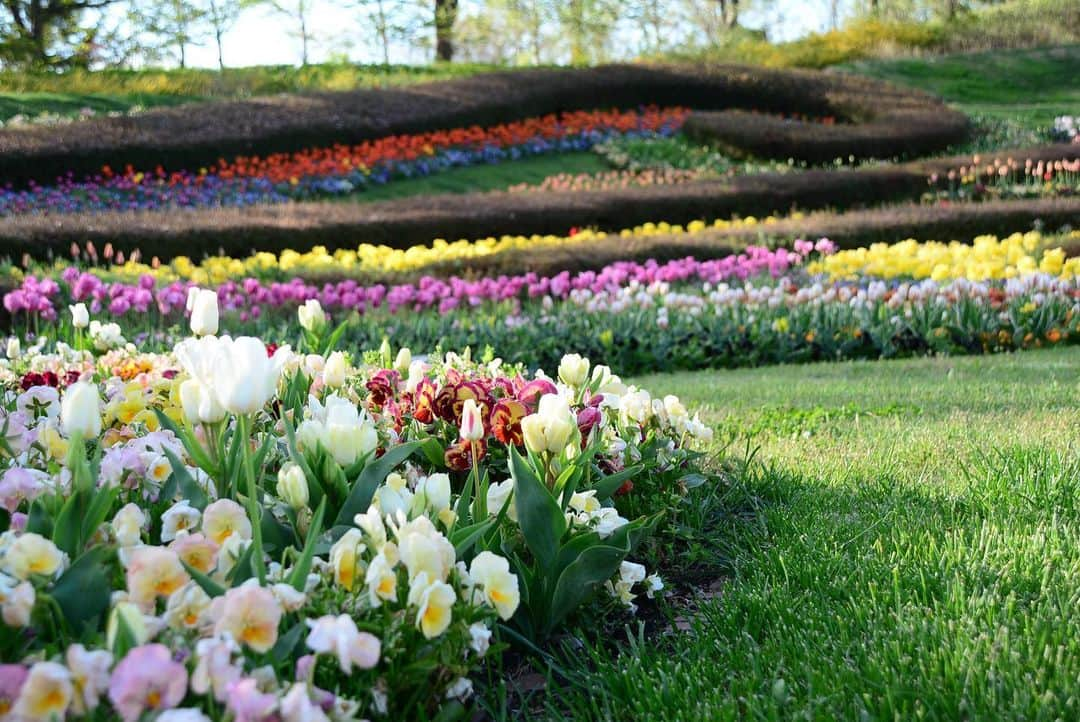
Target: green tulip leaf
[
  {"x": 373, "y": 474},
  {"x": 83, "y": 591},
  {"x": 541, "y": 519}
]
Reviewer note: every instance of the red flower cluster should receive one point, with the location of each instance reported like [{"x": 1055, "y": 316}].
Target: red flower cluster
[
  {"x": 343, "y": 159},
  {"x": 503, "y": 403},
  {"x": 48, "y": 378}
]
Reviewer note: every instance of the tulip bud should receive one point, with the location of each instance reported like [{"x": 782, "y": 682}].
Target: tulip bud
[
  {"x": 384, "y": 351},
  {"x": 132, "y": 618},
  {"x": 472, "y": 423},
  {"x": 292, "y": 486},
  {"x": 80, "y": 317},
  {"x": 574, "y": 370},
  {"x": 203, "y": 305},
  {"x": 14, "y": 348},
  {"x": 312, "y": 316},
  {"x": 335, "y": 370},
  {"x": 80, "y": 410}
]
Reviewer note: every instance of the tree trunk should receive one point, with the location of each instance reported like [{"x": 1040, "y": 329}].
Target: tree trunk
[
  {"x": 445, "y": 16},
  {"x": 303, "y": 40},
  {"x": 384, "y": 36},
  {"x": 729, "y": 13},
  {"x": 217, "y": 21}
]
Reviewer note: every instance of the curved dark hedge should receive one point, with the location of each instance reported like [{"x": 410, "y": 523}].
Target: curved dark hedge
[
  {"x": 892, "y": 132},
  {"x": 410, "y": 221},
  {"x": 190, "y": 136}
]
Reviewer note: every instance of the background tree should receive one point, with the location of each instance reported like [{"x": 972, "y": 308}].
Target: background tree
[
  {"x": 651, "y": 19},
  {"x": 587, "y": 26},
  {"x": 529, "y": 20},
  {"x": 35, "y": 31},
  {"x": 221, "y": 15},
  {"x": 298, "y": 11},
  {"x": 389, "y": 21},
  {"x": 446, "y": 12},
  {"x": 173, "y": 24},
  {"x": 729, "y": 11}
]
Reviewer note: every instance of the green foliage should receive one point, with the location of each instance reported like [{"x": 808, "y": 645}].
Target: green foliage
[
  {"x": 564, "y": 571},
  {"x": 1018, "y": 24},
  {"x": 680, "y": 153}
]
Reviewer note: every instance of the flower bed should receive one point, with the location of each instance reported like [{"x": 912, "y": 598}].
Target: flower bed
[
  {"x": 685, "y": 313},
  {"x": 251, "y": 299},
  {"x": 234, "y": 530},
  {"x": 611, "y": 180},
  {"x": 985, "y": 258},
  {"x": 336, "y": 170},
  {"x": 366, "y": 261},
  {"x": 1007, "y": 179}
]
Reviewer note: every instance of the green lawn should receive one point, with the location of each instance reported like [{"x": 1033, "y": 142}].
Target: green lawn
[
  {"x": 71, "y": 104},
  {"x": 920, "y": 562},
  {"x": 496, "y": 176},
  {"x": 1028, "y": 86}
]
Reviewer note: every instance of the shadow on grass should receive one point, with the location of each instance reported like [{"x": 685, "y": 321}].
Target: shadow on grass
[{"x": 877, "y": 599}]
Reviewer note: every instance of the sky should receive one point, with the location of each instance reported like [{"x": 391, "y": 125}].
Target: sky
[{"x": 265, "y": 38}]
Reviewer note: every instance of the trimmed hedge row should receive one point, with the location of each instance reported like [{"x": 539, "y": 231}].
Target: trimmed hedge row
[
  {"x": 896, "y": 132},
  {"x": 407, "y": 222},
  {"x": 191, "y": 136}
]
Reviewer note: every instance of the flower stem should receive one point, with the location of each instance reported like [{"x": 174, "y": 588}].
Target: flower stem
[{"x": 244, "y": 437}]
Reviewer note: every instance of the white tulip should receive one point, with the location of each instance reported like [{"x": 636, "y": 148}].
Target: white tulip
[
  {"x": 432, "y": 492},
  {"x": 341, "y": 430},
  {"x": 200, "y": 404},
  {"x": 551, "y": 427},
  {"x": 574, "y": 370},
  {"x": 203, "y": 306},
  {"x": 80, "y": 317},
  {"x": 80, "y": 410},
  {"x": 472, "y": 422},
  {"x": 312, "y": 316},
  {"x": 292, "y": 486},
  {"x": 245, "y": 377},
  {"x": 335, "y": 370}
]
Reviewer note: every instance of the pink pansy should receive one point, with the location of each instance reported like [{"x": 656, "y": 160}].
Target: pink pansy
[
  {"x": 247, "y": 703},
  {"x": 296, "y": 706},
  {"x": 147, "y": 679},
  {"x": 18, "y": 484},
  {"x": 12, "y": 677},
  {"x": 215, "y": 669}
]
